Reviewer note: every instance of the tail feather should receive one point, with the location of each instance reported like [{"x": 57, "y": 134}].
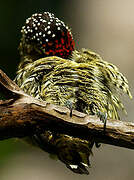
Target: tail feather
[{"x": 80, "y": 169}]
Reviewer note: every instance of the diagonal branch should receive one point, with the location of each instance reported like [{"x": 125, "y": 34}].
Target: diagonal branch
[{"x": 22, "y": 115}]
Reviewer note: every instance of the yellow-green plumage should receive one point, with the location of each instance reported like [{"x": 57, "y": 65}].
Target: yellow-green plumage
[
  {"x": 87, "y": 83},
  {"x": 85, "y": 79}
]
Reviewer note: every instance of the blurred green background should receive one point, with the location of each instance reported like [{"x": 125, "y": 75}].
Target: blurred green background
[{"x": 106, "y": 27}]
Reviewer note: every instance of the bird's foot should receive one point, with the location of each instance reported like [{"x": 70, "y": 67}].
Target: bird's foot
[
  {"x": 97, "y": 144},
  {"x": 69, "y": 104},
  {"x": 103, "y": 118}
]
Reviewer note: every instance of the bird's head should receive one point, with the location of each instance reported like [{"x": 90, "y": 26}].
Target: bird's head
[{"x": 45, "y": 35}]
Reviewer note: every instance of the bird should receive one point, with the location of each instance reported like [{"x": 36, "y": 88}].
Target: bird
[{"x": 52, "y": 70}]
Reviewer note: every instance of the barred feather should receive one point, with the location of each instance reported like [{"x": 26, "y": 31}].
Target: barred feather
[
  {"x": 111, "y": 83},
  {"x": 85, "y": 80}
]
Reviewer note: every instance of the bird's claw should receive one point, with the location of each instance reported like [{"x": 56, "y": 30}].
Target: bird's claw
[
  {"x": 97, "y": 144},
  {"x": 69, "y": 105},
  {"x": 103, "y": 118}
]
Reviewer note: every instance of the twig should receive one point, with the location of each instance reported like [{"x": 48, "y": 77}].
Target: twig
[{"x": 22, "y": 115}]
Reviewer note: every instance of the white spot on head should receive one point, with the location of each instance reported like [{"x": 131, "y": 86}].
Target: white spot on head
[
  {"x": 53, "y": 35},
  {"x": 25, "y": 31},
  {"x": 27, "y": 21},
  {"x": 49, "y": 32},
  {"x": 46, "y": 40},
  {"x": 35, "y": 14},
  {"x": 58, "y": 28},
  {"x": 57, "y": 19},
  {"x": 44, "y": 35},
  {"x": 63, "y": 24}
]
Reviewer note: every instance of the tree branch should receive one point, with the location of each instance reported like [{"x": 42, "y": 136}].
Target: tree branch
[{"x": 22, "y": 115}]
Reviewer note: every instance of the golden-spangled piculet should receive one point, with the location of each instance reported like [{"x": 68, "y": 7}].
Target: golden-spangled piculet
[{"x": 52, "y": 70}]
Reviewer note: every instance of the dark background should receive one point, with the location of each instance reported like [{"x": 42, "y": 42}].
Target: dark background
[{"x": 106, "y": 27}]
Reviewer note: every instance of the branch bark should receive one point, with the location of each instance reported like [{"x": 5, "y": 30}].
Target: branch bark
[{"x": 22, "y": 115}]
